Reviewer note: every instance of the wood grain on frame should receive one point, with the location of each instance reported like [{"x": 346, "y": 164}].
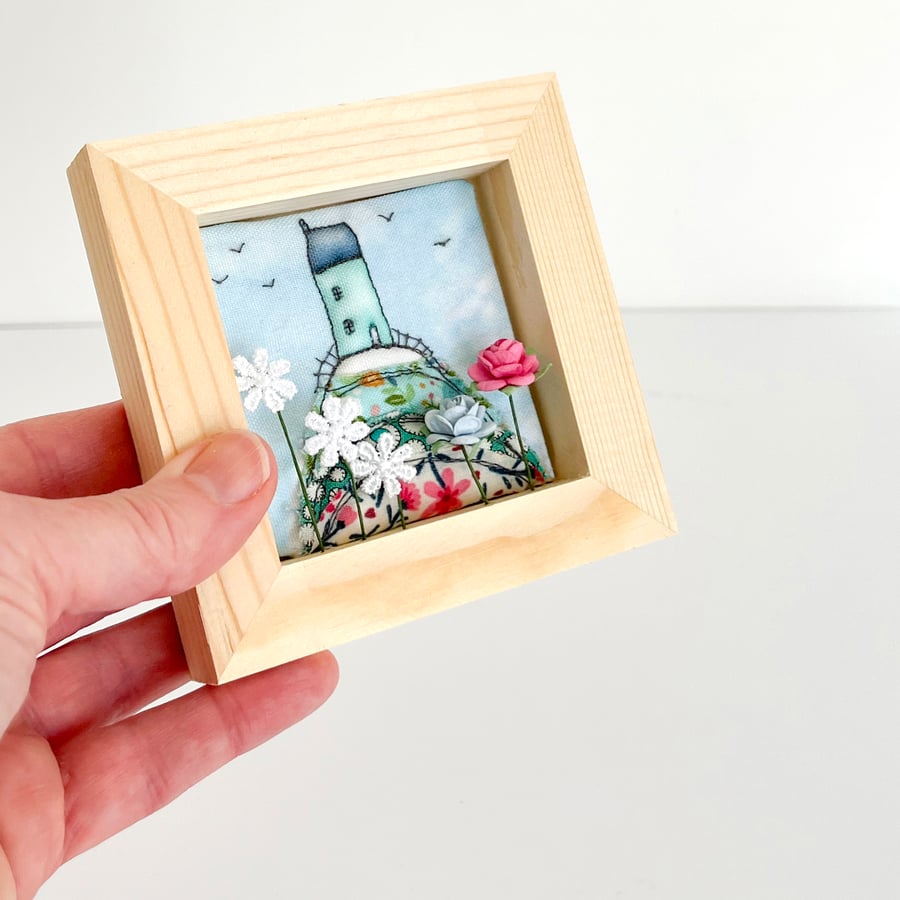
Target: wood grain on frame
[{"x": 140, "y": 203}]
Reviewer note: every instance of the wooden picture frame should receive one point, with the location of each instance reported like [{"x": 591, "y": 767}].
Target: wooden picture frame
[{"x": 141, "y": 202}]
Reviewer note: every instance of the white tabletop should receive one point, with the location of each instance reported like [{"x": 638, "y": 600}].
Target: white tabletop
[{"x": 714, "y": 717}]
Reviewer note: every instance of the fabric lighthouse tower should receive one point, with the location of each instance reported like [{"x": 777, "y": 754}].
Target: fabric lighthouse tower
[{"x": 363, "y": 339}]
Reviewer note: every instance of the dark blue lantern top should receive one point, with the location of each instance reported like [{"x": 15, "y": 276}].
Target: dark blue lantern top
[{"x": 330, "y": 245}]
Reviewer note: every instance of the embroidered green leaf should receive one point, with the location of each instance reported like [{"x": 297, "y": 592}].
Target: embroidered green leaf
[
  {"x": 543, "y": 371},
  {"x": 395, "y": 399}
]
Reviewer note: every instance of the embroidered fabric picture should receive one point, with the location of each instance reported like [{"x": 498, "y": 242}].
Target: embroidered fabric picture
[{"x": 358, "y": 334}]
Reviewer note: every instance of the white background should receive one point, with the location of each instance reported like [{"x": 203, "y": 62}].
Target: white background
[
  {"x": 738, "y": 154},
  {"x": 713, "y": 717}
]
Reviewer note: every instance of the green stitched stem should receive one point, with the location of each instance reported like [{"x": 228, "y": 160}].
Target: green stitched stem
[
  {"x": 522, "y": 453},
  {"x": 309, "y": 506},
  {"x": 362, "y": 528},
  {"x": 402, "y": 517},
  {"x": 484, "y": 498}
]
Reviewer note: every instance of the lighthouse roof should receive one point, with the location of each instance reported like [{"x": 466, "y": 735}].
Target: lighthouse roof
[{"x": 330, "y": 245}]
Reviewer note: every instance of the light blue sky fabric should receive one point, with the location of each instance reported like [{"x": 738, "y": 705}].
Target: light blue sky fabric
[{"x": 432, "y": 267}]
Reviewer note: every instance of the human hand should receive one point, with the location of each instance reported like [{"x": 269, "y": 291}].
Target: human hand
[{"x": 78, "y": 761}]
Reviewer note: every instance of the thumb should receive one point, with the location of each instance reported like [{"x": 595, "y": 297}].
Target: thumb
[{"x": 97, "y": 554}]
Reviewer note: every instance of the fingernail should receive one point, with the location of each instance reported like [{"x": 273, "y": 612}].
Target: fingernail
[{"x": 231, "y": 468}]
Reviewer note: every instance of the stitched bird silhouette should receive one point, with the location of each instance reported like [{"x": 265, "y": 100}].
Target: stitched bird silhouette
[
  {"x": 270, "y": 284},
  {"x": 238, "y": 249},
  {"x": 219, "y": 280},
  {"x": 386, "y": 218},
  {"x": 442, "y": 243}
]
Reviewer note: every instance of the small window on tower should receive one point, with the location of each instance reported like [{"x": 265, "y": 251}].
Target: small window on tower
[
  {"x": 349, "y": 327},
  {"x": 337, "y": 292}
]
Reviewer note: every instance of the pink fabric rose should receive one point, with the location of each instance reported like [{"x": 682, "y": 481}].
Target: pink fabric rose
[{"x": 505, "y": 363}]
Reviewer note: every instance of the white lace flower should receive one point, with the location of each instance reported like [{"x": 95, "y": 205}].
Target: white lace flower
[
  {"x": 337, "y": 432},
  {"x": 262, "y": 380},
  {"x": 307, "y": 537},
  {"x": 382, "y": 464}
]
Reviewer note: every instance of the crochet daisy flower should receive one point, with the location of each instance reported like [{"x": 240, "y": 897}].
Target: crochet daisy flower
[
  {"x": 385, "y": 464},
  {"x": 337, "y": 431},
  {"x": 262, "y": 380}
]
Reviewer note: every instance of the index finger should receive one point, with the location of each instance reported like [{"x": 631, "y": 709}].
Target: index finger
[
  {"x": 73, "y": 454},
  {"x": 146, "y": 761}
]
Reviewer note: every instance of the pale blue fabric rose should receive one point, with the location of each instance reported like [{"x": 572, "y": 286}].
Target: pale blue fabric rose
[{"x": 458, "y": 420}]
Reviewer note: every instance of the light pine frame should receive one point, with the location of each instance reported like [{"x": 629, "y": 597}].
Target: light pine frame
[{"x": 140, "y": 203}]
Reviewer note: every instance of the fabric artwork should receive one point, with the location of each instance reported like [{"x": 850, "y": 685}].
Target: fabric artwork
[{"x": 352, "y": 330}]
